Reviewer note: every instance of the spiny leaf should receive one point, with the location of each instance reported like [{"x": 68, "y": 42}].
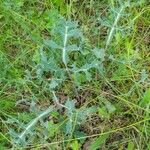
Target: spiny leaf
[
  {"x": 70, "y": 105},
  {"x": 69, "y": 126},
  {"x": 75, "y": 33},
  {"x": 52, "y": 44},
  {"x": 99, "y": 53},
  {"x": 83, "y": 114},
  {"x": 72, "y": 47},
  {"x": 144, "y": 76},
  {"x": 53, "y": 84}
]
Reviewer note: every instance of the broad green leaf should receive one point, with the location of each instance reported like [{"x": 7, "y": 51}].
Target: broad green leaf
[
  {"x": 98, "y": 142},
  {"x": 103, "y": 112},
  {"x": 146, "y": 99},
  {"x": 52, "y": 128},
  {"x": 75, "y": 145},
  {"x": 130, "y": 146},
  {"x": 36, "y": 57}
]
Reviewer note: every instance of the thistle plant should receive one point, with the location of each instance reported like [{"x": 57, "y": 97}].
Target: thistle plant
[
  {"x": 112, "y": 22},
  {"x": 62, "y": 58},
  {"x": 54, "y": 58},
  {"x": 67, "y": 41}
]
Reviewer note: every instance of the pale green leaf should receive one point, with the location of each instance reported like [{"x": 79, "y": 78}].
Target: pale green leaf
[
  {"x": 70, "y": 105},
  {"x": 53, "y": 84},
  {"x": 72, "y": 48},
  {"x": 69, "y": 127},
  {"x": 99, "y": 53},
  {"x": 52, "y": 44},
  {"x": 111, "y": 108}
]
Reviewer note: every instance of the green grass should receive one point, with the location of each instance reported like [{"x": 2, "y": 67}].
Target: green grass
[{"x": 81, "y": 105}]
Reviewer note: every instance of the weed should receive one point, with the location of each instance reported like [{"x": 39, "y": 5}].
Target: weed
[{"x": 74, "y": 74}]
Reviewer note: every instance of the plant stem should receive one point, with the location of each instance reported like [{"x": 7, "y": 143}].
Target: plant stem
[
  {"x": 33, "y": 122},
  {"x": 65, "y": 62},
  {"x": 113, "y": 28},
  {"x": 57, "y": 101},
  {"x": 64, "y": 48}
]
